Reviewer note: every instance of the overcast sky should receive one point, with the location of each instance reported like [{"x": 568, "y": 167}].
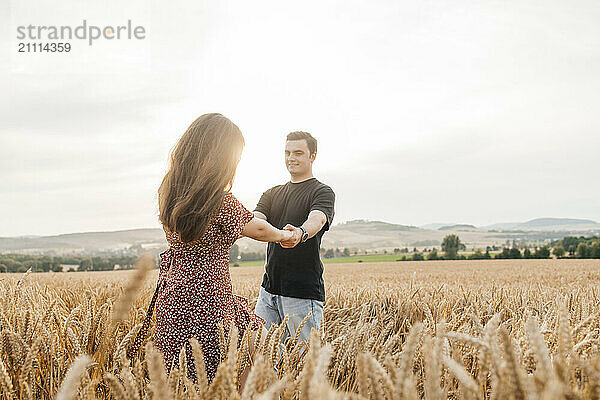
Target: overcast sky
[{"x": 425, "y": 111}]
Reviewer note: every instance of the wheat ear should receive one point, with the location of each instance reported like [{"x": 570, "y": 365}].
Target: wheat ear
[{"x": 70, "y": 384}]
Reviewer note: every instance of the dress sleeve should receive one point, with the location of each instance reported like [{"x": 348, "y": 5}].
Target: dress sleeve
[{"x": 234, "y": 217}]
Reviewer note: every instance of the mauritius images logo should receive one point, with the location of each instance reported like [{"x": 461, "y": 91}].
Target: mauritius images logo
[{"x": 85, "y": 31}]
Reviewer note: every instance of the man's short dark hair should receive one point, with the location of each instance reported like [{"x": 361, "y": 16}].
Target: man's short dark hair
[{"x": 311, "y": 142}]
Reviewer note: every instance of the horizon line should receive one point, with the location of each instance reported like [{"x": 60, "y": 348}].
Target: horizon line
[{"x": 336, "y": 224}]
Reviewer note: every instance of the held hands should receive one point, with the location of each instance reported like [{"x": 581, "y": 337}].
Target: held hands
[{"x": 292, "y": 236}]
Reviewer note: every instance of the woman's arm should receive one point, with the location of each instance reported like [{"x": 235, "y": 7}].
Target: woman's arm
[{"x": 261, "y": 230}]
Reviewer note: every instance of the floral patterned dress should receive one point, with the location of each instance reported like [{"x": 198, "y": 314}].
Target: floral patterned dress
[{"x": 196, "y": 291}]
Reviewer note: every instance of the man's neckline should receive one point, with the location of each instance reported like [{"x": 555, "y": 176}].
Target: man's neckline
[{"x": 306, "y": 180}]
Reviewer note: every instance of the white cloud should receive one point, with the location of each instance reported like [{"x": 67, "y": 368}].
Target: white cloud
[{"x": 475, "y": 112}]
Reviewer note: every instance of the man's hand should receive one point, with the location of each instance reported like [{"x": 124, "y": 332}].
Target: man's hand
[{"x": 294, "y": 240}]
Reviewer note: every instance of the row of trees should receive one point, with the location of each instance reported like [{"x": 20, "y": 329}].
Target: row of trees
[
  {"x": 578, "y": 247},
  {"x": 99, "y": 263},
  {"x": 235, "y": 255},
  {"x": 569, "y": 246},
  {"x": 450, "y": 246},
  {"x": 507, "y": 253},
  {"x": 332, "y": 253},
  {"x": 22, "y": 262}
]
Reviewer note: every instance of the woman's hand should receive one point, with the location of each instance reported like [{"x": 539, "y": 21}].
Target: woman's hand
[
  {"x": 286, "y": 236},
  {"x": 294, "y": 239},
  {"x": 261, "y": 230}
]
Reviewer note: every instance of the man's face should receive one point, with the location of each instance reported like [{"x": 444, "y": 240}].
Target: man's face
[{"x": 298, "y": 159}]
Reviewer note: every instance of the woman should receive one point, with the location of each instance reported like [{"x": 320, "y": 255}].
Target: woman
[{"x": 202, "y": 220}]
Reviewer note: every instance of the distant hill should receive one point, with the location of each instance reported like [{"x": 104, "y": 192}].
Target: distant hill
[
  {"x": 458, "y": 227},
  {"x": 437, "y": 225},
  {"x": 85, "y": 242},
  {"x": 551, "y": 223},
  {"x": 548, "y": 224},
  {"x": 502, "y": 226},
  {"x": 359, "y": 234}
]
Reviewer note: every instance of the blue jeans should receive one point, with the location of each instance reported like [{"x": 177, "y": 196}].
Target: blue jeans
[{"x": 273, "y": 309}]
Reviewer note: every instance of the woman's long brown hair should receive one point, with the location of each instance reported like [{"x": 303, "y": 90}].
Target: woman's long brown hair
[{"x": 202, "y": 170}]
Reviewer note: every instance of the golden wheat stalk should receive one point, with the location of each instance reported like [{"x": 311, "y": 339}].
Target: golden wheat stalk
[
  {"x": 143, "y": 265},
  {"x": 156, "y": 370},
  {"x": 70, "y": 384}
]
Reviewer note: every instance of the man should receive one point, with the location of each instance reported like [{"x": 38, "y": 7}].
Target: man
[{"x": 293, "y": 281}]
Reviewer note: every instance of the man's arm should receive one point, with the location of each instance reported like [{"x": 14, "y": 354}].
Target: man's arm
[
  {"x": 263, "y": 207},
  {"x": 313, "y": 224},
  {"x": 260, "y": 215}
]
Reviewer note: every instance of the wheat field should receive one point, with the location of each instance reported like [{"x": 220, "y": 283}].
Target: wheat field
[{"x": 492, "y": 329}]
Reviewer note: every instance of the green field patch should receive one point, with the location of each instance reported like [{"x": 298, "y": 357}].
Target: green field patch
[{"x": 337, "y": 260}]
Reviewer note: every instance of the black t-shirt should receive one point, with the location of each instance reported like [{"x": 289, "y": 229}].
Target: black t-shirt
[{"x": 296, "y": 272}]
